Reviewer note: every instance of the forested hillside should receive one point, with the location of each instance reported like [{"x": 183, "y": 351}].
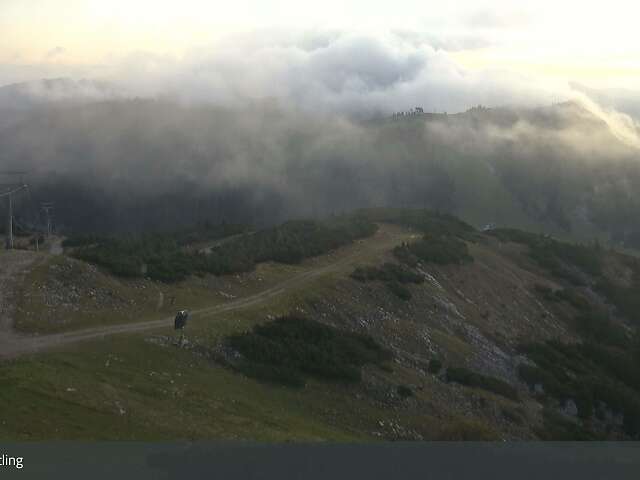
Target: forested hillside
[
  {"x": 161, "y": 256},
  {"x": 139, "y": 165}
]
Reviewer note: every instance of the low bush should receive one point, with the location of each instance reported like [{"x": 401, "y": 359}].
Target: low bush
[
  {"x": 572, "y": 261},
  {"x": 425, "y": 221},
  {"x": 596, "y": 326},
  {"x": 591, "y": 322},
  {"x": 515, "y": 415},
  {"x": 590, "y": 374},
  {"x": 441, "y": 250},
  {"x": 558, "y": 428},
  {"x": 290, "y": 348},
  {"x": 395, "y": 277},
  {"x": 556, "y": 256},
  {"x": 568, "y": 295},
  {"x": 574, "y": 298},
  {"x": 404, "y": 391},
  {"x": 625, "y": 299},
  {"x": 469, "y": 378},
  {"x": 399, "y": 290},
  {"x": 435, "y": 366},
  {"x": 545, "y": 292},
  {"x": 161, "y": 256}
]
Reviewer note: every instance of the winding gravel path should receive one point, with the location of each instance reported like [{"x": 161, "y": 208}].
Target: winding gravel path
[{"x": 14, "y": 345}]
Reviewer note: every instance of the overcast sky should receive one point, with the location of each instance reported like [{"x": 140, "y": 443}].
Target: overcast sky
[{"x": 463, "y": 52}]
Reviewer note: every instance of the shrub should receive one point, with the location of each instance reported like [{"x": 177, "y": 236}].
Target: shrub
[
  {"x": 556, "y": 256},
  {"x": 435, "y": 366},
  {"x": 587, "y": 373},
  {"x": 361, "y": 274},
  {"x": 558, "y": 428},
  {"x": 545, "y": 292},
  {"x": 514, "y": 415},
  {"x": 400, "y": 274},
  {"x": 469, "y": 378},
  {"x": 572, "y": 297},
  {"x": 625, "y": 299},
  {"x": 394, "y": 276},
  {"x": 425, "y": 221},
  {"x": 618, "y": 363},
  {"x": 399, "y": 290},
  {"x": 404, "y": 391},
  {"x": 568, "y": 295},
  {"x": 442, "y": 250},
  {"x": 598, "y": 327},
  {"x": 290, "y": 348},
  {"x": 161, "y": 256}
]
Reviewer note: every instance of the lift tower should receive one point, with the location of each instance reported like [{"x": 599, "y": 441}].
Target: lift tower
[
  {"x": 8, "y": 190},
  {"x": 47, "y": 207}
]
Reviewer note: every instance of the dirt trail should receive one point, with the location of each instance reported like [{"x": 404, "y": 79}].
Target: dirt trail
[{"x": 13, "y": 345}]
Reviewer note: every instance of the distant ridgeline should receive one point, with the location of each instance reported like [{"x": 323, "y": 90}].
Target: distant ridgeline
[
  {"x": 163, "y": 256},
  {"x": 558, "y": 167}
]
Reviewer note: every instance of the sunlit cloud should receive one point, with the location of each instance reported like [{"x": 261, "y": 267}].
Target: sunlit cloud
[{"x": 484, "y": 52}]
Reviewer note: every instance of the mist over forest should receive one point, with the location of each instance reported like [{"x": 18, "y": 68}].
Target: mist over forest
[
  {"x": 126, "y": 165},
  {"x": 307, "y": 127}
]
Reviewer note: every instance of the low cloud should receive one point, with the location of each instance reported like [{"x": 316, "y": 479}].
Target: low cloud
[
  {"x": 621, "y": 100},
  {"x": 331, "y": 72},
  {"x": 267, "y": 126}
]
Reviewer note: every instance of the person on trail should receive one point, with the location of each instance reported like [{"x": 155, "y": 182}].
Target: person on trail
[{"x": 180, "y": 322}]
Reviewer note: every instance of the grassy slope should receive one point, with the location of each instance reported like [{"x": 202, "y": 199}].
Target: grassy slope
[
  {"x": 74, "y": 307},
  {"x": 124, "y": 400},
  {"x": 138, "y": 300},
  {"x": 205, "y": 400},
  {"x": 124, "y": 387}
]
